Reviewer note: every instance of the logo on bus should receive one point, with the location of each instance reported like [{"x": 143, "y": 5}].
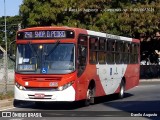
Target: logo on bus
[
  {"x": 44, "y": 70},
  {"x": 53, "y": 84}
]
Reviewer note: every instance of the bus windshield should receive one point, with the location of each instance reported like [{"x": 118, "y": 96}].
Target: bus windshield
[{"x": 54, "y": 58}]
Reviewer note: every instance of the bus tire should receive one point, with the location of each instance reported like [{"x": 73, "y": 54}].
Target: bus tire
[
  {"x": 15, "y": 103},
  {"x": 122, "y": 90},
  {"x": 90, "y": 96}
]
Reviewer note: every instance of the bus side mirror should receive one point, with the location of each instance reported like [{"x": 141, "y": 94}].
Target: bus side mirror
[{"x": 12, "y": 55}]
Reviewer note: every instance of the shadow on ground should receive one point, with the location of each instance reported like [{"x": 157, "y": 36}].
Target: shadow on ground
[
  {"x": 66, "y": 105},
  {"x": 124, "y": 108}
]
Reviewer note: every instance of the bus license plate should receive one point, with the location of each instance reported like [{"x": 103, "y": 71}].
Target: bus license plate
[{"x": 39, "y": 95}]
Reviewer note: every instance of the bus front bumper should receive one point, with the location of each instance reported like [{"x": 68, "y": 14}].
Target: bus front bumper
[{"x": 45, "y": 96}]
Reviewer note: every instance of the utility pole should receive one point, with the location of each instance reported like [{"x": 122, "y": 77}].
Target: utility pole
[{"x": 5, "y": 54}]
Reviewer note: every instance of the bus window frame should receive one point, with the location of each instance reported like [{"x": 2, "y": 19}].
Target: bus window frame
[{"x": 79, "y": 73}]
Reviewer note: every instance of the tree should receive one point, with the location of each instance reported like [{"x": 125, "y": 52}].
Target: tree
[
  {"x": 11, "y": 28},
  {"x": 131, "y": 18},
  {"x": 43, "y": 12}
]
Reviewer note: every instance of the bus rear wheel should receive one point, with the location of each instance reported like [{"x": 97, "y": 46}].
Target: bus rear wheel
[{"x": 122, "y": 90}]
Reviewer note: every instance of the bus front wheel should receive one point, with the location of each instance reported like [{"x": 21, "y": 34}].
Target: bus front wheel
[
  {"x": 15, "y": 103},
  {"x": 90, "y": 96}
]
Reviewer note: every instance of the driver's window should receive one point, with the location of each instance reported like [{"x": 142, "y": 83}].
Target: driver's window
[{"x": 82, "y": 53}]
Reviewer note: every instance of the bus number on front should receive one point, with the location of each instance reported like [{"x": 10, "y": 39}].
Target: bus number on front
[{"x": 28, "y": 35}]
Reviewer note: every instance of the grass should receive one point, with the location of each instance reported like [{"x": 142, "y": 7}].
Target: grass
[{"x": 8, "y": 95}]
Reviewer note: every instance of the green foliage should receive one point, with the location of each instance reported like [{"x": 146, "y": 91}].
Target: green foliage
[
  {"x": 11, "y": 27},
  {"x": 122, "y": 17}
]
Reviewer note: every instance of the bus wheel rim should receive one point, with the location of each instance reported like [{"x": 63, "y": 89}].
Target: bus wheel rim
[
  {"x": 122, "y": 91},
  {"x": 88, "y": 94}
]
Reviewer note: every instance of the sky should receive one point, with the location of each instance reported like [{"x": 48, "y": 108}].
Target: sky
[{"x": 12, "y": 7}]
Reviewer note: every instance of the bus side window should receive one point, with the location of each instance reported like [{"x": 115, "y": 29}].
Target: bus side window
[
  {"x": 102, "y": 57},
  {"x": 93, "y": 47},
  {"x": 102, "y": 51},
  {"x": 126, "y": 53},
  {"x": 82, "y": 53},
  {"x": 118, "y": 53},
  {"x": 110, "y": 51},
  {"x": 97, "y": 44},
  {"x": 121, "y": 52},
  {"x": 92, "y": 43},
  {"x": 93, "y": 57},
  {"x": 136, "y": 53},
  {"x": 132, "y": 53},
  {"x": 102, "y": 42}
]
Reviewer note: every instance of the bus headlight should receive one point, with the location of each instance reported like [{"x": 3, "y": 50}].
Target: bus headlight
[
  {"x": 20, "y": 87},
  {"x": 65, "y": 86}
]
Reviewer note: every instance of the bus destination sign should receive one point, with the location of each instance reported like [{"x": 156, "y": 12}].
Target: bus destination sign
[{"x": 45, "y": 34}]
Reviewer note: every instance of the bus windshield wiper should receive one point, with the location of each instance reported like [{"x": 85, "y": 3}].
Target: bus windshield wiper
[
  {"x": 56, "y": 44},
  {"x": 32, "y": 49}
]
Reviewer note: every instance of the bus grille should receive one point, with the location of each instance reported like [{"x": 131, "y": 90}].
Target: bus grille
[
  {"x": 42, "y": 79},
  {"x": 45, "y": 97},
  {"x": 40, "y": 89}
]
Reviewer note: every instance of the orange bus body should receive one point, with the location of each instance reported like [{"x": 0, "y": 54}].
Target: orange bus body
[{"x": 105, "y": 77}]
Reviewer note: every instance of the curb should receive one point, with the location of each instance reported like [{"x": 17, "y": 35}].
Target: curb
[{"x": 7, "y": 83}]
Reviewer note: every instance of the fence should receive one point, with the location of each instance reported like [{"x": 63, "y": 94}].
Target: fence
[{"x": 10, "y": 76}]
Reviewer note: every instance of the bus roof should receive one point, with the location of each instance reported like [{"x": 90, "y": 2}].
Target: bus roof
[{"x": 90, "y": 32}]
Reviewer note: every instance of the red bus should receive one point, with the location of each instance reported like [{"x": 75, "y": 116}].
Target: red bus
[{"x": 72, "y": 64}]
